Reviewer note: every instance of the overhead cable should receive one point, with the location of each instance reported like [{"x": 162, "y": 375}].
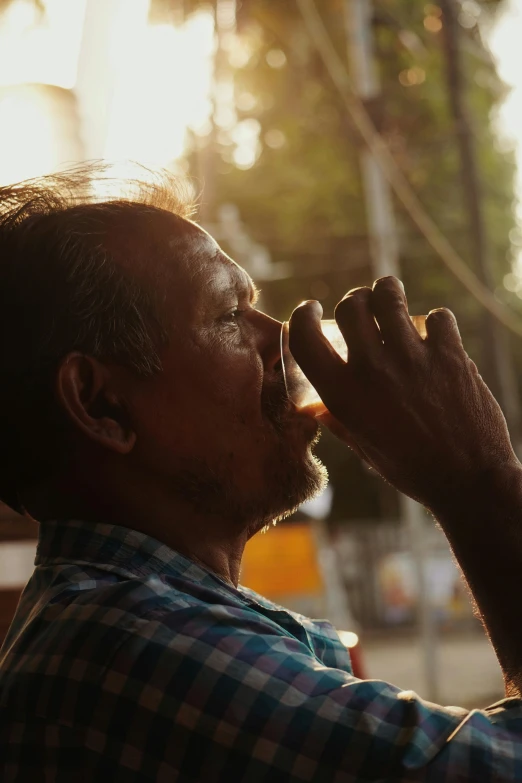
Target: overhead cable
[{"x": 394, "y": 173}]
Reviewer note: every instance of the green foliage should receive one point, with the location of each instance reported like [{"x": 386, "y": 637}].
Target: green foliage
[
  {"x": 300, "y": 196},
  {"x": 303, "y": 197}
]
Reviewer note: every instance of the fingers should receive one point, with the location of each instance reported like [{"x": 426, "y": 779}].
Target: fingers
[
  {"x": 341, "y": 432},
  {"x": 310, "y": 348},
  {"x": 442, "y": 329},
  {"x": 357, "y": 324},
  {"x": 390, "y": 308}
]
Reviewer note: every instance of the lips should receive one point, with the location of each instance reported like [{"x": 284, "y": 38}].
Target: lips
[
  {"x": 281, "y": 411},
  {"x": 275, "y": 401}
]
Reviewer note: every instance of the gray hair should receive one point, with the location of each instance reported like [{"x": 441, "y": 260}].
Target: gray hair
[{"x": 62, "y": 289}]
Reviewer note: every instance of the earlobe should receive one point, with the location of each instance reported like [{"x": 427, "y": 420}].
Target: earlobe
[{"x": 85, "y": 390}]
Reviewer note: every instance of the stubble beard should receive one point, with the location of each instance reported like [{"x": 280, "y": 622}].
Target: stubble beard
[
  {"x": 292, "y": 475},
  {"x": 290, "y": 481},
  {"x": 291, "y": 478}
]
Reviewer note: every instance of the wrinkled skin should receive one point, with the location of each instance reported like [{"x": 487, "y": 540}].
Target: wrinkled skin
[
  {"x": 218, "y": 414},
  {"x": 420, "y": 414},
  {"x": 208, "y": 451},
  {"x": 415, "y": 410}
]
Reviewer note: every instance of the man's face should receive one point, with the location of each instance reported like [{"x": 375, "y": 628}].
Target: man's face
[{"x": 216, "y": 427}]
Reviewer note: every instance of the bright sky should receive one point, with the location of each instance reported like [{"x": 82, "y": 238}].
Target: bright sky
[
  {"x": 140, "y": 87},
  {"x": 151, "y": 100},
  {"x": 41, "y": 49}
]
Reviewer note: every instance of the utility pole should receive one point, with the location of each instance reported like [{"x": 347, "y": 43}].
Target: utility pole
[
  {"x": 384, "y": 248},
  {"x": 225, "y": 18},
  {"x": 379, "y": 210},
  {"x": 496, "y": 356}
]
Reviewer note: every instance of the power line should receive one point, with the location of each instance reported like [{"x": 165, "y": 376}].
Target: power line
[{"x": 393, "y": 172}]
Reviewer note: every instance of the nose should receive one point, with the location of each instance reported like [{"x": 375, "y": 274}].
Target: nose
[{"x": 269, "y": 341}]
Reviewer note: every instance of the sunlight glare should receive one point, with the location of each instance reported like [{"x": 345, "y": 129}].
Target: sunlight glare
[
  {"x": 157, "y": 86},
  {"x": 245, "y": 136},
  {"x": 40, "y": 47},
  {"x": 504, "y": 41},
  {"x": 164, "y": 92},
  {"x": 348, "y": 638},
  {"x": 20, "y": 114}
]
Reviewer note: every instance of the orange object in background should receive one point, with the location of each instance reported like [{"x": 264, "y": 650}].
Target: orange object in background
[
  {"x": 282, "y": 562},
  {"x": 283, "y": 566}
]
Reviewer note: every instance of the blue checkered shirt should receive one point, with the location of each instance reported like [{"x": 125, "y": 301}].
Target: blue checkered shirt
[{"x": 128, "y": 662}]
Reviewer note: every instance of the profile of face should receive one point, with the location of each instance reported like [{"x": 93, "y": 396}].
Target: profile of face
[{"x": 215, "y": 426}]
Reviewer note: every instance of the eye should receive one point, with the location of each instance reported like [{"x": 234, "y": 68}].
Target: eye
[{"x": 233, "y": 316}]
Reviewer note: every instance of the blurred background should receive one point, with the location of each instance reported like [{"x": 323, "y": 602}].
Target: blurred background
[{"x": 269, "y": 107}]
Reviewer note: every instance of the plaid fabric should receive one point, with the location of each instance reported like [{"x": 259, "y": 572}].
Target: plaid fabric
[{"x": 127, "y": 662}]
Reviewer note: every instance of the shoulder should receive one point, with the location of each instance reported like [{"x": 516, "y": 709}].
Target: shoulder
[{"x": 104, "y": 621}]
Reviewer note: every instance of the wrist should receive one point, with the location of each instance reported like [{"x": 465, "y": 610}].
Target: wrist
[{"x": 477, "y": 492}]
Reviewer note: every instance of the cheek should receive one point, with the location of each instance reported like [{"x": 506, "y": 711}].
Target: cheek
[
  {"x": 202, "y": 398},
  {"x": 226, "y": 375}
]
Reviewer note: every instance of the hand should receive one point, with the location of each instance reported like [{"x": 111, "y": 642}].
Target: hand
[{"x": 415, "y": 410}]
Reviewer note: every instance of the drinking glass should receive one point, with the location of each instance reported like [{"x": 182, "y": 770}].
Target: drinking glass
[{"x": 299, "y": 388}]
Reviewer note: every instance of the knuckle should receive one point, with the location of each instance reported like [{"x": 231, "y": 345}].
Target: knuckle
[
  {"x": 389, "y": 283},
  {"x": 362, "y": 290},
  {"x": 440, "y": 314},
  {"x": 300, "y": 316},
  {"x": 452, "y": 356},
  {"x": 388, "y": 290},
  {"x": 385, "y": 280},
  {"x": 295, "y": 320},
  {"x": 355, "y": 299}
]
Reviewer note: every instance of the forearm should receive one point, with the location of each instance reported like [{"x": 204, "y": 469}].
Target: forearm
[
  {"x": 484, "y": 528},
  {"x": 419, "y": 413}
]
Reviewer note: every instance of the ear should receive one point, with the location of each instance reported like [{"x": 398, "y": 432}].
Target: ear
[{"x": 85, "y": 388}]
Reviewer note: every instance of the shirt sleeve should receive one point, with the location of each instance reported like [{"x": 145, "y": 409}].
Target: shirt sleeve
[{"x": 224, "y": 695}]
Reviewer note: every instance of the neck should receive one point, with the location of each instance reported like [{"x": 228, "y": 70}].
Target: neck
[
  {"x": 203, "y": 540},
  {"x": 210, "y": 541}
]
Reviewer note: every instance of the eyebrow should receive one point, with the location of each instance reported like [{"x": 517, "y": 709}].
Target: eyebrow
[
  {"x": 255, "y": 293},
  {"x": 246, "y": 286}
]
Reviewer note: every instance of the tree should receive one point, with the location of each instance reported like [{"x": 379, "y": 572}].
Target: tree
[{"x": 302, "y": 198}]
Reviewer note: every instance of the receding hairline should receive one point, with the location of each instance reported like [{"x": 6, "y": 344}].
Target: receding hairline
[
  {"x": 143, "y": 240},
  {"x": 93, "y": 183},
  {"x": 62, "y": 291}
]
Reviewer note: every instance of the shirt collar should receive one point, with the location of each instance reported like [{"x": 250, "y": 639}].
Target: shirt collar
[
  {"x": 116, "y": 548},
  {"x": 132, "y": 554}
]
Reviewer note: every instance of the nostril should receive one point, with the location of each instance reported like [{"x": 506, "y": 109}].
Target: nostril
[{"x": 278, "y": 366}]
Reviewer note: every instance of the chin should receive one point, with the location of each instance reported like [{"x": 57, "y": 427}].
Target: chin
[
  {"x": 317, "y": 476},
  {"x": 297, "y": 481},
  {"x": 310, "y": 482},
  {"x": 292, "y": 476}
]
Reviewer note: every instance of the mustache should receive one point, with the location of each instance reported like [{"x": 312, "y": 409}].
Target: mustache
[{"x": 275, "y": 401}]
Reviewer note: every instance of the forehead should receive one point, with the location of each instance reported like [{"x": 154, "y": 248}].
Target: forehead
[{"x": 197, "y": 268}]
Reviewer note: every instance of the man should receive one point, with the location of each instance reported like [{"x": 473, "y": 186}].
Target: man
[{"x": 146, "y": 426}]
